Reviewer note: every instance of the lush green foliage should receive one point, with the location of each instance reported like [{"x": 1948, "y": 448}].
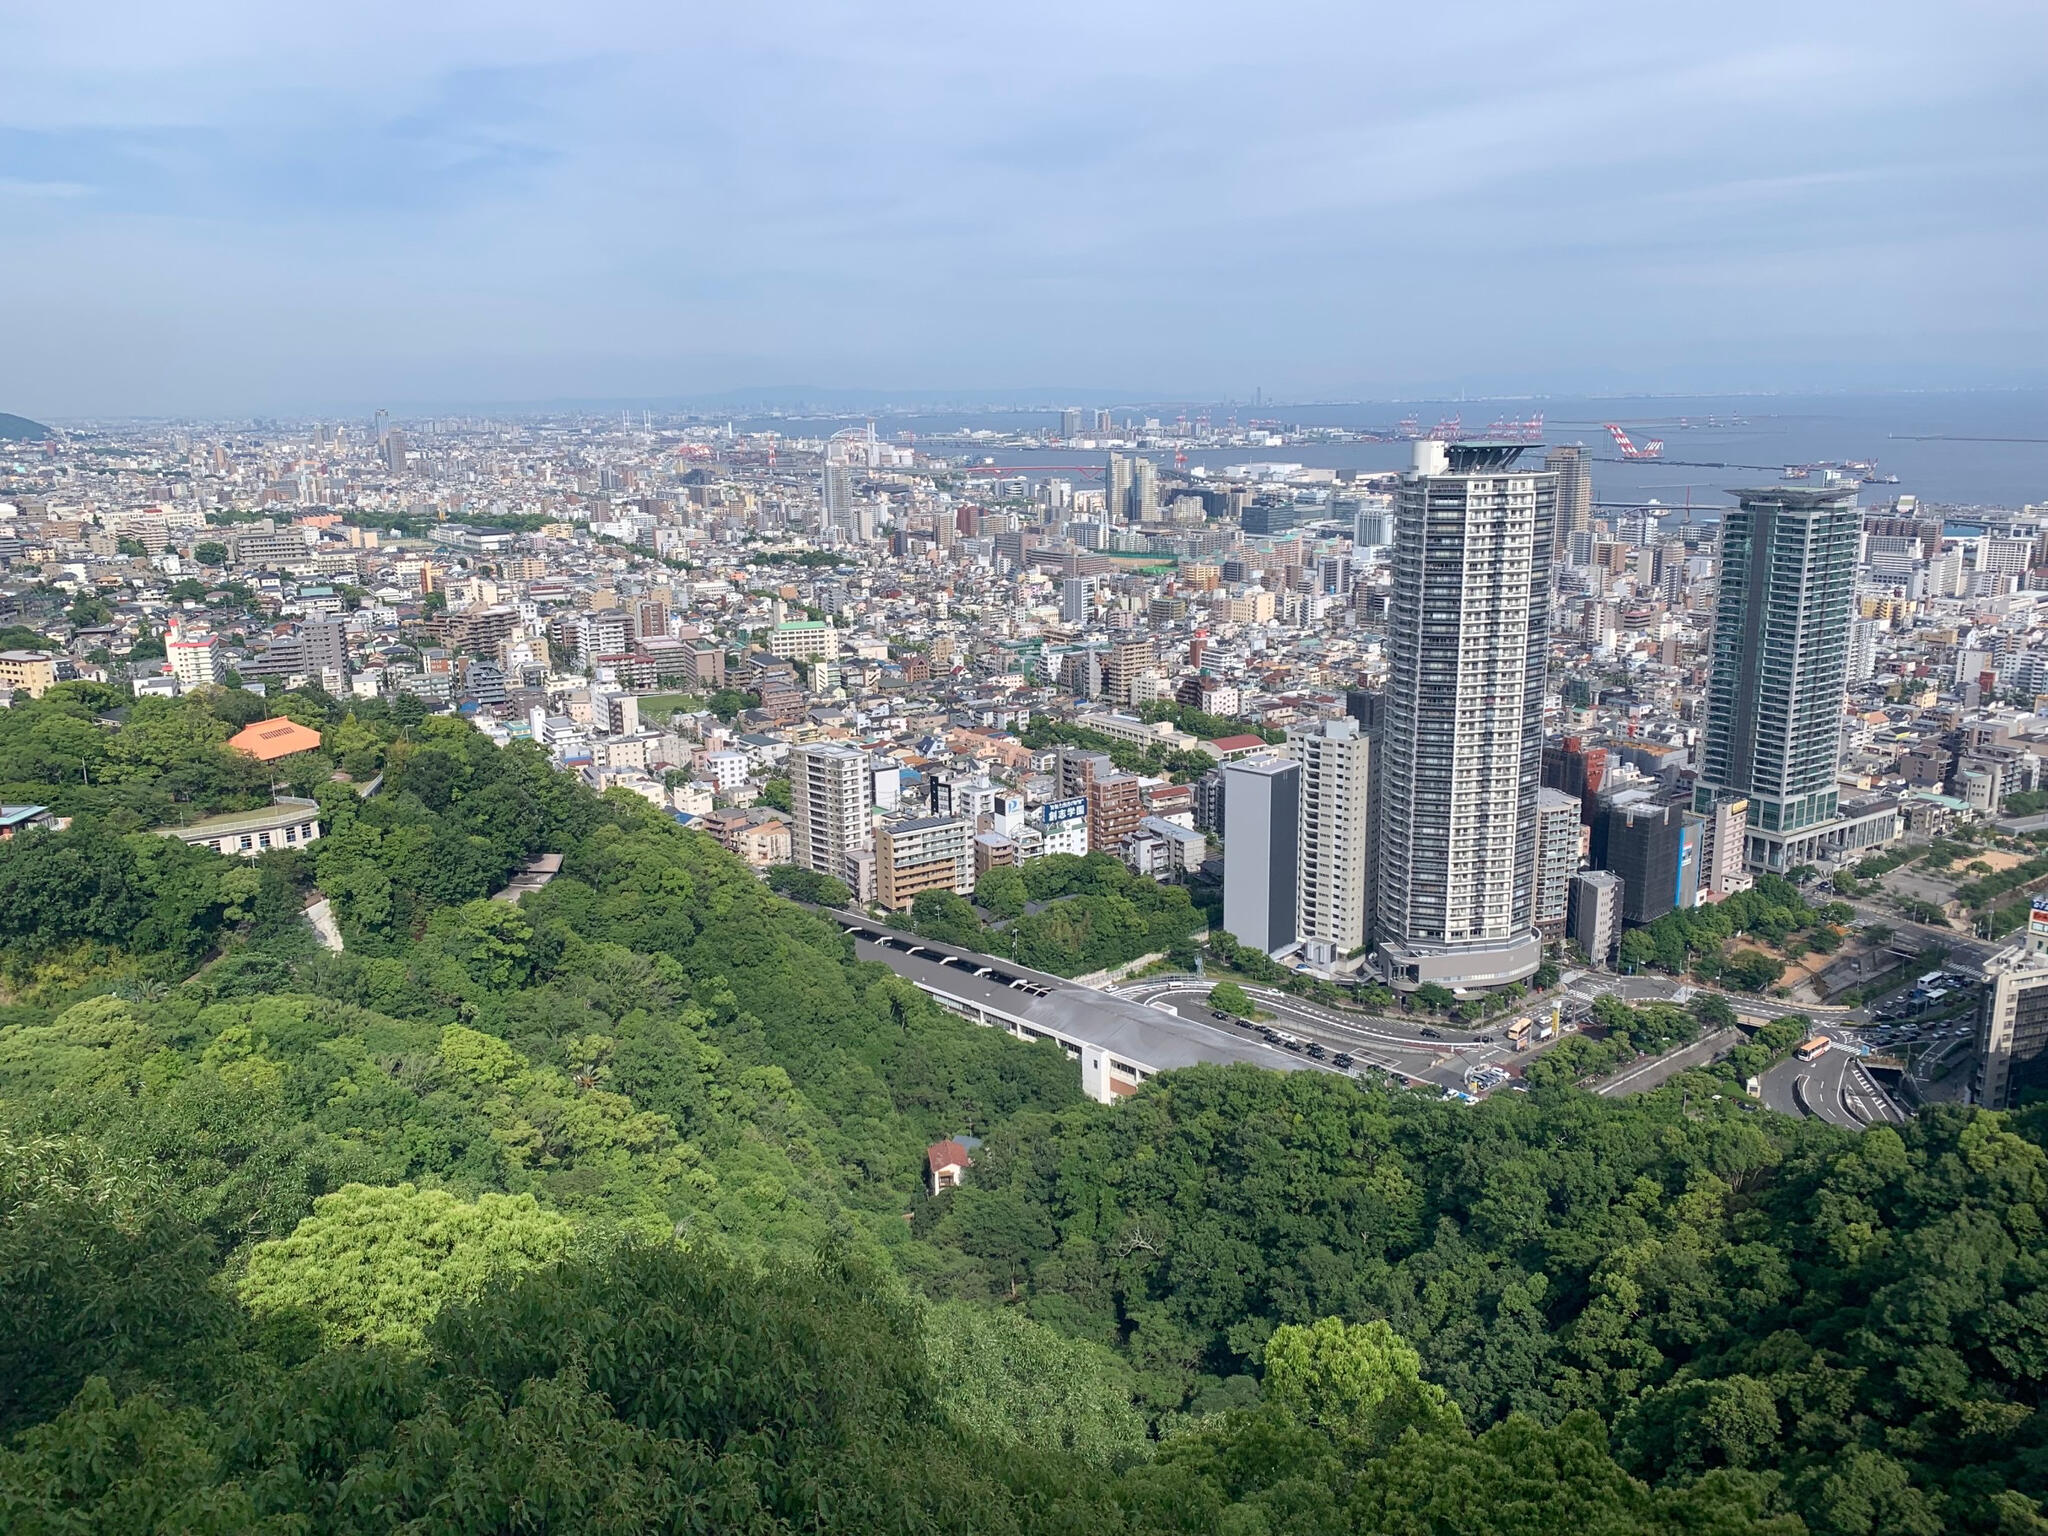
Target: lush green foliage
[
  {"x": 1981, "y": 892},
  {"x": 800, "y": 884},
  {"x": 1183, "y": 766},
  {"x": 1209, "y": 727},
  {"x": 1627, "y": 1033},
  {"x": 1017, "y": 1381},
  {"x": 651, "y": 1389},
  {"x": 588, "y": 1214},
  {"x": 1733, "y": 1290},
  {"x": 1002, "y": 892},
  {"x": 84, "y": 749},
  {"x": 948, "y": 918},
  {"x": 1233, "y": 999},
  {"x": 1694, "y": 938},
  {"x": 378, "y": 1264},
  {"x": 1093, "y": 913}
]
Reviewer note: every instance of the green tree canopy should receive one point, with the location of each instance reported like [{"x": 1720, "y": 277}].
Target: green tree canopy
[
  {"x": 1002, "y": 892},
  {"x": 377, "y": 1264},
  {"x": 1349, "y": 1378}
]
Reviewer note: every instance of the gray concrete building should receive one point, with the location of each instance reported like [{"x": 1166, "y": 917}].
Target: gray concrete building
[
  {"x": 1596, "y": 914},
  {"x": 1261, "y": 852}
]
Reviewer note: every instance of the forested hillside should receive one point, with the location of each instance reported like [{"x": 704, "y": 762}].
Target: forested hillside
[{"x": 605, "y": 1212}]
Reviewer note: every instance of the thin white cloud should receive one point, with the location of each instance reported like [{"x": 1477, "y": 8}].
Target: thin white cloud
[
  {"x": 11, "y": 186},
  {"x": 1091, "y": 190}
]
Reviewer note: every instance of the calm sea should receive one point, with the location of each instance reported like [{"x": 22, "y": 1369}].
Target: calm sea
[{"x": 1956, "y": 450}]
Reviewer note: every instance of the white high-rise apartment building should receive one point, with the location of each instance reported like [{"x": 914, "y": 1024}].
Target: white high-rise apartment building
[
  {"x": 1557, "y": 858},
  {"x": 1461, "y": 739},
  {"x": 1574, "y": 490},
  {"x": 1336, "y": 767},
  {"x": 831, "y": 790},
  {"x": 1144, "y": 502},
  {"x": 1862, "y": 660},
  {"x": 195, "y": 658}
]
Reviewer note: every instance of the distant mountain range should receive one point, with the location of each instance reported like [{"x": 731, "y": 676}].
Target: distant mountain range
[{"x": 21, "y": 429}]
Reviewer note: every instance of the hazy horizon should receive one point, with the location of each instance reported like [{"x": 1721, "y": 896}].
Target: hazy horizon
[{"x": 225, "y": 209}]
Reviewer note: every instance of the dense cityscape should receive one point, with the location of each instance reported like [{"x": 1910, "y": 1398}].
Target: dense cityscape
[
  {"x": 1463, "y": 737},
  {"x": 1120, "y": 770}
]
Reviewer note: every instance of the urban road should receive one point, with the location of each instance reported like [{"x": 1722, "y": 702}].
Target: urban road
[
  {"x": 1395, "y": 1046},
  {"x": 1837, "y": 1087}
]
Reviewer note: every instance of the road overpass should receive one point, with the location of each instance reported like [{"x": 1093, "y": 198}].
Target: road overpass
[
  {"x": 1120, "y": 1038},
  {"x": 1119, "y": 1042}
]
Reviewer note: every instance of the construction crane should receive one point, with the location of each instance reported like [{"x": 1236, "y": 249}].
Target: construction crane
[
  {"x": 1652, "y": 449},
  {"x": 1517, "y": 430}
]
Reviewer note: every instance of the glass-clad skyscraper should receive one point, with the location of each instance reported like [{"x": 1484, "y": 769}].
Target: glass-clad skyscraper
[{"x": 1774, "y": 690}]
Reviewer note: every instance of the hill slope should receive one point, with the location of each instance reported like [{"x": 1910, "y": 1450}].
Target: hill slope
[
  {"x": 589, "y": 1214},
  {"x": 21, "y": 429}
]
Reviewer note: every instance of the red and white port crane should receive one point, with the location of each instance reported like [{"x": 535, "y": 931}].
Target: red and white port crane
[{"x": 1652, "y": 449}]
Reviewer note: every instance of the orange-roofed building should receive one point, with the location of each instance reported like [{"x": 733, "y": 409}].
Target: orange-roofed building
[{"x": 268, "y": 740}]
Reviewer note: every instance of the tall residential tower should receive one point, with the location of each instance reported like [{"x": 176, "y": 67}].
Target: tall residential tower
[
  {"x": 1774, "y": 691},
  {"x": 1574, "y": 490},
  {"x": 831, "y": 790},
  {"x": 1461, "y": 740},
  {"x": 1336, "y": 770}
]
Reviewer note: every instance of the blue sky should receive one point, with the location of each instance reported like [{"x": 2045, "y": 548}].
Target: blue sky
[{"x": 215, "y": 206}]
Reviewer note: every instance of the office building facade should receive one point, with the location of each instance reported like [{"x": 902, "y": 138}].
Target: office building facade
[
  {"x": 1655, "y": 849},
  {"x": 1595, "y": 922},
  {"x": 1077, "y": 600},
  {"x": 1724, "y": 848},
  {"x": 1461, "y": 737},
  {"x": 1775, "y": 682}
]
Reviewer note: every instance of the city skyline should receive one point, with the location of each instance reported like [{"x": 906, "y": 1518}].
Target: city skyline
[
  {"x": 250, "y": 215},
  {"x": 1385, "y": 728}
]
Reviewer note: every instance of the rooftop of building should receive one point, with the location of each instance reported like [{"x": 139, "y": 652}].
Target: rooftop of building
[
  {"x": 287, "y": 809},
  {"x": 1797, "y": 498},
  {"x": 921, "y": 824},
  {"x": 269, "y": 740}
]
